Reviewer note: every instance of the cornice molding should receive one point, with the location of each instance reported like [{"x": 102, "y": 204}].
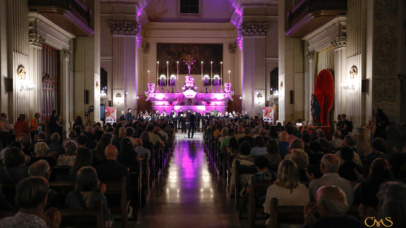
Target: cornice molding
[{"x": 339, "y": 42}]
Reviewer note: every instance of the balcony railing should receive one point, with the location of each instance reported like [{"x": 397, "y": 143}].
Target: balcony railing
[
  {"x": 71, "y": 15},
  {"x": 309, "y": 15}
]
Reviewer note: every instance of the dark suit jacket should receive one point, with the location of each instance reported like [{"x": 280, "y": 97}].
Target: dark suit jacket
[
  {"x": 111, "y": 171},
  {"x": 192, "y": 119}
]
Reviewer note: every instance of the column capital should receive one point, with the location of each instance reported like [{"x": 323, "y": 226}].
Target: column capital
[
  {"x": 253, "y": 29},
  {"x": 310, "y": 55},
  {"x": 125, "y": 28},
  {"x": 232, "y": 47},
  {"x": 67, "y": 53},
  {"x": 36, "y": 40},
  {"x": 145, "y": 47},
  {"x": 339, "y": 42}
]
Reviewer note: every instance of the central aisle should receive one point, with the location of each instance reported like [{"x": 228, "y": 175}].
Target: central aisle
[{"x": 187, "y": 196}]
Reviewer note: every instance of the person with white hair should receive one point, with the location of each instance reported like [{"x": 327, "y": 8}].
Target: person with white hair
[
  {"x": 331, "y": 204},
  {"x": 329, "y": 168}
]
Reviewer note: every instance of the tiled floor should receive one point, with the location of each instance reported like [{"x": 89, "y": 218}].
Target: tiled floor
[{"x": 187, "y": 195}]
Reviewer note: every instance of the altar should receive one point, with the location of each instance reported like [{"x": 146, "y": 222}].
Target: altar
[{"x": 210, "y": 98}]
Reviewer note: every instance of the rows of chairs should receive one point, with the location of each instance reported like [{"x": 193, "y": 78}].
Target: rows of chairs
[
  {"x": 142, "y": 182},
  {"x": 222, "y": 162}
]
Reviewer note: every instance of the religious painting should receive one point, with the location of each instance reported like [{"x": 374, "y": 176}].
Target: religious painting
[{"x": 167, "y": 52}]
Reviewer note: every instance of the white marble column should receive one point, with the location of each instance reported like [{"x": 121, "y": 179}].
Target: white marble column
[
  {"x": 310, "y": 84},
  {"x": 35, "y": 58},
  {"x": 340, "y": 64},
  {"x": 252, "y": 43},
  {"x": 65, "y": 87}
]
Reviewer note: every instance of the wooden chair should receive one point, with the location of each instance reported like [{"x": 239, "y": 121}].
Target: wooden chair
[
  {"x": 256, "y": 188},
  {"x": 116, "y": 190}
]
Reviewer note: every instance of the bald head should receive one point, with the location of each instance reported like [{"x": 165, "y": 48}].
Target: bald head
[
  {"x": 330, "y": 163},
  {"x": 111, "y": 152},
  {"x": 331, "y": 201},
  {"x": 138, "y": 142},
  {"x": 283, "y": 137}
]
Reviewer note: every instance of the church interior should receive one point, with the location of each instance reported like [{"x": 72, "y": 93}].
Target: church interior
[{"x": 205, "y": 113}]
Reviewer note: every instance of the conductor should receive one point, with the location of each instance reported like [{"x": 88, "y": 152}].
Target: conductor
[{"x": 192, "y": 124}]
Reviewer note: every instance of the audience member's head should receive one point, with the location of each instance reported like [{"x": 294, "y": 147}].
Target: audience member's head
[
  {"x": 70, "y": 147},
  {"x": 329, "y": 164},
  {"x": 233, "y": 143},
  {"x": 32, "y": 193},
  {"x": 14, "y": 157},
  {"x": 283, "y": 136},
  {"x": 379, "y": 145},
  {"x": 231, "y": 132},
  {"x": 288, "y": 175},
  {"x": 86, "y": 179},
  {"x": 307, "y": 138},
  {"x": 145, "y": 136},
  {"x": 72, "y": 135},
  {"x": 55, "y": 138},
  {"x": 42, "y": 136},
  {"x": 272, "y": 146},
  {"x": 111, "y": 152},
  {"x": 331, "y": 201},
  {"x": 259, "y": 142},
  {"x": 346, "y": 153},
  {"x": 21, "y": 117},
  {"x": 224, "y": 131},
  {"x": 129, "y": 132},
  {"x": 392, "y": 203},
  {"x": 300, "y": 158},
  {"x": 245, "y": 148},
  {"x": 23, "y": 138},
  {"x": 82, "y": 140},
  {"x": 349, "y": 141},
  {"x": 296, "y": 144},
  {"x": 122, "y": 132},
  {"x": 40, "y": 169},
  {"x": 247, "y": 131},
  {"x": 380, "y": 170},
  {"x": 84, "y": 157},
  {"x": 261, "y": 163},
  {"x": 138, "y": 142},
  {"x": 40, "y": 149}
]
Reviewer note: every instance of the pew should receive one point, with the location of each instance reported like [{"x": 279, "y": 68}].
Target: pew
[
  {"x": 92, "y": 218},
  {"x": 116, "y": 190},
  {"x": 256, "y": 188},
  {"x": 285, "y": 214},
  {"x": 241, "y": 170}
]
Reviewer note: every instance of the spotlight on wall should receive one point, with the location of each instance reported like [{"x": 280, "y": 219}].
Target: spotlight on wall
[{"x": 126, "y": 92}]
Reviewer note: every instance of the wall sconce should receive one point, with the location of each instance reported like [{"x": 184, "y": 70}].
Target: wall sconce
[
  {"x": 118, "y": 98},
  {"x": 26, "y": 85}
]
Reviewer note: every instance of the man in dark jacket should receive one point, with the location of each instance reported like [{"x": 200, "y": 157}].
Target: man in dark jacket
[
  {"x": 192, "y": 124},
  {"x": 111, "y": 170}
]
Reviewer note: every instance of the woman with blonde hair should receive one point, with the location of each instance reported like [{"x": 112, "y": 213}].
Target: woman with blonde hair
[{"x": 287, "y": 187}]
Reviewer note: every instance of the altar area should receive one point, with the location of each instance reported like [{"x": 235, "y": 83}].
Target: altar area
[{"x": 166, "y": 95}]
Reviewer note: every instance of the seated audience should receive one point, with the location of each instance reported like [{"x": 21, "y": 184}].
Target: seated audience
[
  {"x": 349, "y": 141},
  {"x": 41, "y": 168},
  {"x": 365, "y": 192},
  {"x": 55, "y": 146},
  {"x": 99, "y": 151},
  {"x": 117, "y": 140},
  {"x": 329, "y": 167},
  {"x": 273, "y": 155},
  {"x": 392, "y": 203},
  {"x": 88, "y": 193},
  {"x": 128, "y": 156},
  {"x": 287, "y": 188},
  {"x": 302, "y": 162},
  {"x": 140, "y": 150},
  {"x": 331, "y": 205},
  {"x": 14, "y": 169},
  {"x": 283, "y": 143},
  {"x": 111, "y": 170},
  {"x": 84, "y": 158},
  {"x": 246, "y": 160},
  {"x": 68, "y": 159},
  {"x": 348, "y": 168},
  {"x": 41, "y": 150},
  {"x": 379, "y": 149},
  {"x": 259, "y": 148},
  {"x": 247, "y": 137},
  {"x": 31, "y": 198}
]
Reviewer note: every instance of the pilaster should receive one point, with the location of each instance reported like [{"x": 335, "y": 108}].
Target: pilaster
[
  {"x": 340, "y": 73},
  {"x": 126, "y": 40},
  {"x": 35, "y": 57},
  {"x": 251, "y": 39}
]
